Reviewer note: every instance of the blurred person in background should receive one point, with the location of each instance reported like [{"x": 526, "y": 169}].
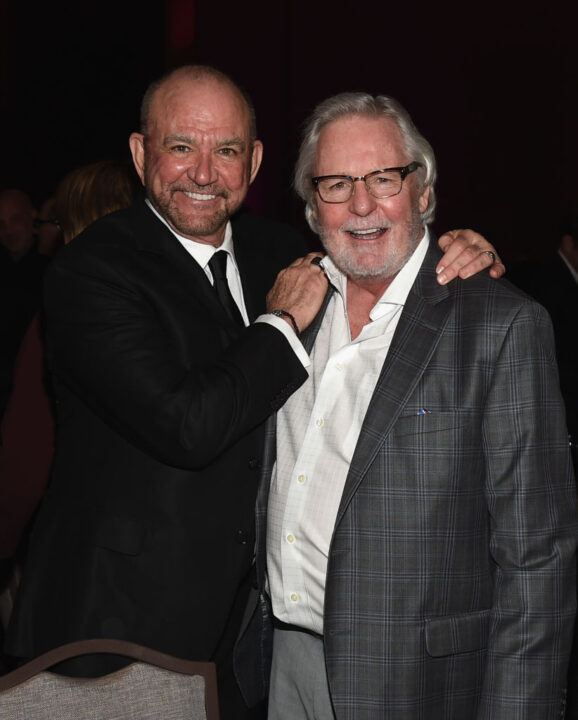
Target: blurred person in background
[
  {"x": 21, "y": 271},
  {"x": 27, "y": 428}
]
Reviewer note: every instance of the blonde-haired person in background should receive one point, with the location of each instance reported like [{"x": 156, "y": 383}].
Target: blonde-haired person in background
[
  {"x": 27, "y": 429},
  {"x": 92, "y": 191}
]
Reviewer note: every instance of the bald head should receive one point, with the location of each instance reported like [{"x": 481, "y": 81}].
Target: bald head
[
  {"x": 192, "y": 75},
  {"x": 15, "y": 199}
]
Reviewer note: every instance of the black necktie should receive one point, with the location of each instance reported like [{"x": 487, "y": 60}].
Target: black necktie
[{"x": 218, "y": 266}]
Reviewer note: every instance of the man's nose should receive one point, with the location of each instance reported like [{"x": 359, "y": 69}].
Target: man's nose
[
  {"x": 362, "y": 202},
  {"x": 203, "y": 171}
]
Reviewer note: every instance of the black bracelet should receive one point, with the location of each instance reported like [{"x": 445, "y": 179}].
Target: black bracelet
[{"x": 284, "y": 313}]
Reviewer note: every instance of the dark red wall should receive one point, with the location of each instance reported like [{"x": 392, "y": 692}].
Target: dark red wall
[{"x": 493, "y": 87}]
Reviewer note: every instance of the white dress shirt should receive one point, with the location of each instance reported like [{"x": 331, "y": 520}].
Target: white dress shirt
[
  {"x": 202, "y": 253},
  {"x": 317, "y": 432},
  {"x": 569, "y": 266}
]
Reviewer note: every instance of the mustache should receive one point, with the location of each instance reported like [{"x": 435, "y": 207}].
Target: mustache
[
  {"x": 213, "y": 189},
  {"x": 367, "y": 223}
]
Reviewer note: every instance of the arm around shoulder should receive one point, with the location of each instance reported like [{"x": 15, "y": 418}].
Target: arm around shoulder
[{"x": 150, "y": 362}]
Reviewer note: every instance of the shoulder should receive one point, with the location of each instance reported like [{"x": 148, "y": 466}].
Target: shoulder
[
  {"x": 495, "y": 310},
  {"x": 114, "y": 236},
  {"x": 479, "y": 301}
]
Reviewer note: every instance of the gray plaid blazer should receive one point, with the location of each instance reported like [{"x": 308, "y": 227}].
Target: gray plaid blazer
[{"x": 450, "y": 590}]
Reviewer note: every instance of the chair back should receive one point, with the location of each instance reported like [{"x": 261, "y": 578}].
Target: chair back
[{"x": 156, "y": 686}]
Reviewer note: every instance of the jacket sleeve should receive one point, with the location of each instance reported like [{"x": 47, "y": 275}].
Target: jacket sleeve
[
  {"x": 531, "y": 499},
  {"x": 167, "y": 389}
]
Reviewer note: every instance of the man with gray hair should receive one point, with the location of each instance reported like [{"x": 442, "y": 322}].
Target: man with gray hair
[{"x": 417, "y": 520}]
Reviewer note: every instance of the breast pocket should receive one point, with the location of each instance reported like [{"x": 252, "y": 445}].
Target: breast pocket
[
  {"x": 422, "y": 421},
  {"x": 436, "y": 449},
  {"x": 457, "y": 633}
]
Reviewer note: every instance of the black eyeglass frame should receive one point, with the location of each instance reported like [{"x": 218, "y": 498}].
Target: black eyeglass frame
[{"x": 403, "y": 172}]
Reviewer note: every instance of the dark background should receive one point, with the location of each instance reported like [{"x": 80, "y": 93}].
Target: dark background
[{"x": 493, "y": 86}]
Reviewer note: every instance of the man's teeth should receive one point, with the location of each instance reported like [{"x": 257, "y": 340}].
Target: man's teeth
[
  {"x": 199, "y": 196},
  {"x": 371, "y": 231}
]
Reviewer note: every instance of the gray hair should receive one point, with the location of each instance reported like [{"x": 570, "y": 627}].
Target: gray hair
[{"x": 363, "y": 104}]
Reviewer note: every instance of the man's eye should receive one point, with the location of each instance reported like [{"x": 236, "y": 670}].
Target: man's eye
[
  {"x": 180, "y": 148},
  {"x": 337, "y": 185},
  {"x": 228, "y": 151}
]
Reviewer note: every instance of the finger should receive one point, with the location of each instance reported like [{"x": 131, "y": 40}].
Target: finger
[
  {"x": 481, "y": 261},
  {"x": 448, "y": 238},
  {"x": 466, "y": 253},
  {"x": 314, "y": 258},
  {"x": 453, "y": 244},
  {"x": 498, "y": 269},
  {"x": 306, "y": 260}
]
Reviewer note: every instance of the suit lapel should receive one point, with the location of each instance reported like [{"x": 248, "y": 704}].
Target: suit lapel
[
  {"x": 153, "y": 236},
  {"x": 418, "y": 332},
  {"x": 250, "y": 270},
  {"x": 308, "y": 336}
]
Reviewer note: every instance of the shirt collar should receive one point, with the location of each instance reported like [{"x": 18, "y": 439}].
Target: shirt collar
[{"x": 569, "y": 266}]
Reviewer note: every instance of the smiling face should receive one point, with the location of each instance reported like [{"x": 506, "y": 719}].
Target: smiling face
[
  {"x": 196, "y": 160},
  {"x": 367, "y": 237}
]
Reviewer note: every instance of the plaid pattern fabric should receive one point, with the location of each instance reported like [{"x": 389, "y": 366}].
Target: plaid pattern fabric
[{"x": 450, "y": 591}]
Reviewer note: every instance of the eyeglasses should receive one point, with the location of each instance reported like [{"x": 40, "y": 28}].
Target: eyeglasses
[{"x": 379, "y": 183}]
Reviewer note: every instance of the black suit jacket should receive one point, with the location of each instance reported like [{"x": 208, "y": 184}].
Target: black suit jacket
[{"x": 147, "y": 528}]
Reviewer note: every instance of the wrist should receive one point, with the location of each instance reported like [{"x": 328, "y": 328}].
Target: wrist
[{"x": 287, "y": 316}]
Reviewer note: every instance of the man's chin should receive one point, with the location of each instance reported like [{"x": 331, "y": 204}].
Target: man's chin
[
  {"x": 359, "y": 265},
  {"x": 199, "y": 227}
]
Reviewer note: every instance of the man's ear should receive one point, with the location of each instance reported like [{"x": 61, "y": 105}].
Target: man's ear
[
  {"x": 314, "y": 211},
  {"x": 424, "y": 200},
  {"x": 256, "y": 158},
  {"x": 136, "y": 142}
]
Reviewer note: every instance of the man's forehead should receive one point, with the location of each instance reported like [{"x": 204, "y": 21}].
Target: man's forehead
[
  {"x": 207, "y": 104},
  {"x": 13, "y": 202},
  {"x": 369, "y": 142},
  {"x": 360, "y": 127}
]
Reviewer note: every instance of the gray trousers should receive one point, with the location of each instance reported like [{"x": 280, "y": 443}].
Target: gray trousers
[{"x": 299, "y": 689}]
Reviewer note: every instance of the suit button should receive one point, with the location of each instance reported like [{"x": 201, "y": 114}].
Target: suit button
[
  {"x": 242, "y": 537},
  {"x": 254, "y": 464}
]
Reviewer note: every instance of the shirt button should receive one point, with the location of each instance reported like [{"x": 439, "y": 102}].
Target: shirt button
[
  {"x": 320, "y": 422},
  {"x": 242, "y": 537},
  {"x": 301, "y": 479},
  {"x": 339, "y": 366},
  {"x": 254, "y": 464},
  {"x": 290, "y": 538},
  {"x": 294, "y": 597}
]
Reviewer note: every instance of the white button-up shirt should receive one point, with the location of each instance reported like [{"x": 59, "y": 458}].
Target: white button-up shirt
[
  {"x": 203, "y": 252},
  {"x": 317, "y": 432}
]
